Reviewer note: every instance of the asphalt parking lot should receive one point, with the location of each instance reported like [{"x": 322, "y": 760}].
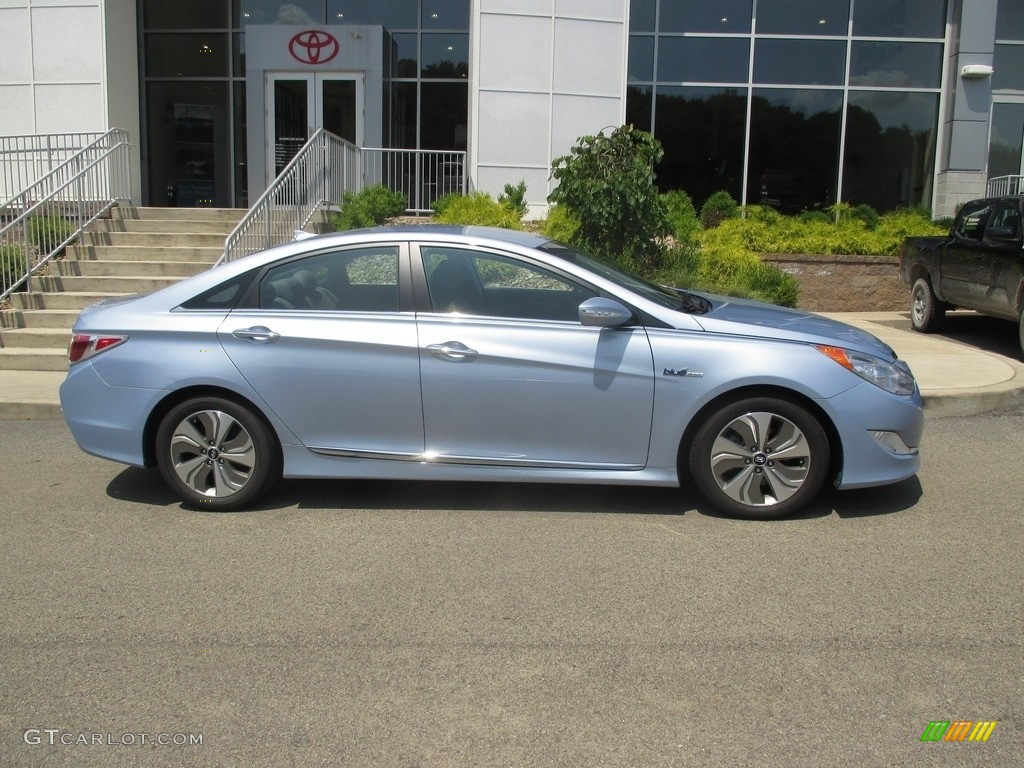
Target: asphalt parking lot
[{"x": 411, "y": 624}]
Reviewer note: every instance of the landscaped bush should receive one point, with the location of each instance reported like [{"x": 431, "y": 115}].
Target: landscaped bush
[
  {"x": 476, "y": 208},
  {"x": 514, "y": 198},
  {"x": 682, "y": 217},
  {"x": 717, "y": 208},
  {"x": 48, "y": 230},
  {"x": 607, "y": 182},
  {"x": 368, "y": 208},
  {"x": 560, "y": 224},
  {"x": 12, "y": 264}
]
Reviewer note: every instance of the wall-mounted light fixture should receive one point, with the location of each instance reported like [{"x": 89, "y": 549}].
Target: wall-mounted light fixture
[{"x": 976, "y": 71}]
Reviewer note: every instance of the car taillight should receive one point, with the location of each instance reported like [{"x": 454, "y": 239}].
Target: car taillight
[{"x": 84, "y": 346}]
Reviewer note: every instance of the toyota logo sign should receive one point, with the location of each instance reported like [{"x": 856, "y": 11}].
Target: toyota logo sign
[{"x": 313, "y": 47}]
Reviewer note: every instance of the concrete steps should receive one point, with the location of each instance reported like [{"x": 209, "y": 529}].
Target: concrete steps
[{"x": 136, "y": 250}]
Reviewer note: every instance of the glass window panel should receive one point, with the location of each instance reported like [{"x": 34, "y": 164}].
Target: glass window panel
[
  {"x": 403, "y": 116},
  {"x": 701, "y": 16},
  {"x": 188, "y": 143},
  {"x": 896, "y": 65},
  {"x": 406, "y": 54},
  {"x": 277, "y": 12},
  {"x": 899, "y": 18},
  {"x": 794, "y": 148},
  {"x": 1009, "y": 68},
  {"x": 444, "y": 115},
  {"x": 446, "y": 14},
  {"x": 641, "y": 59},
  {"x": 799, "y": 62},
  {"x": 638, "y": 107},
  {"x": 703, "y": 60},
  {"x": 445, "y": 55},
  {"x": 642, "y": 15},
  {"x": 198, "y": 54},
  {"x": 241, "y": 158},
  {"x": 186, "y": 14},
  {"x": 890, "y": 148},
  {"x": 803, "y": 17},
  {"x": 701, "y": 130},
  {"x": 1004, "y": 152},
  {"x": 393, "y": 14},
  {"x": 1010, "y": 20},
  {"x": 238, "y": 55}
]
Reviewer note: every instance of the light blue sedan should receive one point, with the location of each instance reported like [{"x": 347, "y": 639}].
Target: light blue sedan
[{"x": 458, "y": 354}]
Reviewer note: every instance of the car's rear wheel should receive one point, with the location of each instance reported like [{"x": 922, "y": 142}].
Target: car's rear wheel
[
  {"x": 760, "y": 458},
  {"x": 217, "y": 454},
  {"x": 926, "y": 310}
]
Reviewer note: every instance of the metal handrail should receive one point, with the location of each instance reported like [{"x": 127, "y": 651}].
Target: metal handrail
[
  {"x": 321, "y": 172},
  {"x": 40, "y": 221},
  {"x": 324, "y": 170},
  {"x": 1002, "y": 186},
  {"x": 27, "y": 158}
]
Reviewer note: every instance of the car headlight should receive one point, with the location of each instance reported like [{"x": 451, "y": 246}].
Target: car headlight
[{"x": 879, "y": 372}]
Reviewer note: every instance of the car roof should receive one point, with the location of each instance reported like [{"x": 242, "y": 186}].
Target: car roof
[{"x": 512, "y": 236}]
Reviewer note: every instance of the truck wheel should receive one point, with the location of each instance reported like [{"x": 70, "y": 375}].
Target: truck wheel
[{"x": 926, "y": 311}]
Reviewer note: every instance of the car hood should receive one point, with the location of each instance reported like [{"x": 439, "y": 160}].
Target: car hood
[{"x": 752, "y": 318}]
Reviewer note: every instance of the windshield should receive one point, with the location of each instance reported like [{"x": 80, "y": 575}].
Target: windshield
[{"x": 671, "y": 298}]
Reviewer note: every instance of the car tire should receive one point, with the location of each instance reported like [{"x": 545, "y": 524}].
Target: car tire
[
  {"x": 732, "y": 459},
  {"x": 926, "y": 310},
  {"x": 217, "y": 454}
]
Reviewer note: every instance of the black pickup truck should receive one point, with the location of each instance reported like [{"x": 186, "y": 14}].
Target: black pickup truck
[{"x": 979, "y": 265}]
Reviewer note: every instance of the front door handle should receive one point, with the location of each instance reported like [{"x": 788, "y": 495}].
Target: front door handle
[
  {"x": 455, "y": 351},
  {"x": 258, "y": 334}
]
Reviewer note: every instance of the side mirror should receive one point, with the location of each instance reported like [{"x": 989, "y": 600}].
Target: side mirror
[
  {"x": 1003, "y": 233},
  {"x": 604, "y": 313}
]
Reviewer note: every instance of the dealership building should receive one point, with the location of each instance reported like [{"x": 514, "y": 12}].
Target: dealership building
[{"x": 797, "y": 103}]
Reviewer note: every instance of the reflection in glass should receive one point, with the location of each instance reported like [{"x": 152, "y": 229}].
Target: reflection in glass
[
  {"x": 896, "y": 65},
  {"x": 703, "y": 60},
  {"x": 794, "y": 148},
  {"x": 803, "y": 17},
  {"x": 193, "y": 54},
  {"x": 276, "y": 12},
  {"x": 724, "y": 16},
  {"x": 638, "y": 107},
  {"x": 799, "y": 62},
  {"x": 701, "y": 130},
  {"x": 900, "y": 18},
  {"x": 1004, "y": 153},
  {"x": 890, "y": 148},
  {"x": 642, "y": 15},
  {"x": 1009, "y": 67},
  {"x": 1010, "y": 20},
  {"x": 403, "y": 116},
  {"x": 393, "y": 14},
  {"x": 445, "y": 115},
  {"x": 445, "y": 55},
  {"x": 406, "y": 54},
  {"x": 186, "y": 14},
  {"x": 241, "y": 148},
  {"x": 641, "y": 59},
  {"x": 446, "y": 14}
]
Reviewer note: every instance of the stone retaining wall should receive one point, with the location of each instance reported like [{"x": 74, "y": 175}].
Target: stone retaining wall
[{"x": 844, "y": 283}]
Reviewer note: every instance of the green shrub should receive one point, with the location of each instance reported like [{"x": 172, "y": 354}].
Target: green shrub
[
  {"x": 807, "y": 216},
  {"x": 867, "y": 214},
  {"x": 370, "y": 207},
  {"x": 444, "y": 201},
  {"x": 560, "y": 224},
  {"x": 607, "y": 181},
  {"x": 682, "y": 217},
  {"x": 514, "y": 198},
  {"x": 478, "y": 208},
  {"x": 48, "y": 230},
  {"x": 717, "y": 208},
  {"x": 12, "y": 264}
]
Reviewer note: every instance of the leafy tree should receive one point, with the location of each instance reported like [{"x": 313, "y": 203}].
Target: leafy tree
[{"x": 607, "y": 184}]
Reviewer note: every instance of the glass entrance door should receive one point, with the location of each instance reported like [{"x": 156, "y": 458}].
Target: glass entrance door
[
  {"x": 299, "y": 103},
  {"x": 1006, "y": 143}
]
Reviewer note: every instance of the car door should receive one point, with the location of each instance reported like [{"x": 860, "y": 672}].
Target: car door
[
  {"x": 965, "y": 269},
  {"x": 325, "y": 344},
  {"x": 511, "y": 377},
  {"x": 1005, "y": 258}
]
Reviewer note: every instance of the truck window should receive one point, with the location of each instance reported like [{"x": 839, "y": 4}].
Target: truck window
[
  {"x": 972, "y": 222},
  {"x": 1005, "y": 218}
]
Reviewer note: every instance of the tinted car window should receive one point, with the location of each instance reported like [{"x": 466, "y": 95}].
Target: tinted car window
[
  {"x": 972, "y": 222},
  {"x": 477, "y": 283},
  {"x": 224, "y": 296},
  {"x": 1006, "y": 219},
  {"x": 358, "y": 280}
]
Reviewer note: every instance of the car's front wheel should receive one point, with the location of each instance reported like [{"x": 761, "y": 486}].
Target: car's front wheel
[
  {"x": 926, "y": 310},
  {"x": 217, "y": 454},
  {"x": 760, "y": 458}
]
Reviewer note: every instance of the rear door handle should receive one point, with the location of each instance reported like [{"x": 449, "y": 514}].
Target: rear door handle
[
  {"x": 455, "y": 351},
  {"x": 258, "y": 334}
]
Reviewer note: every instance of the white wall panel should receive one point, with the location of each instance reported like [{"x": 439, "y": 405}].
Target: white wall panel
[
  {"x": 16, "y": 48},
  {"x": 16, "y": 116},
  {"x": 589, "y": 57},
  {"x": 67, "y": 45},
  {"x": 517, "y": 53},
  {"x": 515, "y": 129},
  {"x": 57, "y": 104},
  {"x": 592, "y": 9},
  {"x": 536, "y": 7}
]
